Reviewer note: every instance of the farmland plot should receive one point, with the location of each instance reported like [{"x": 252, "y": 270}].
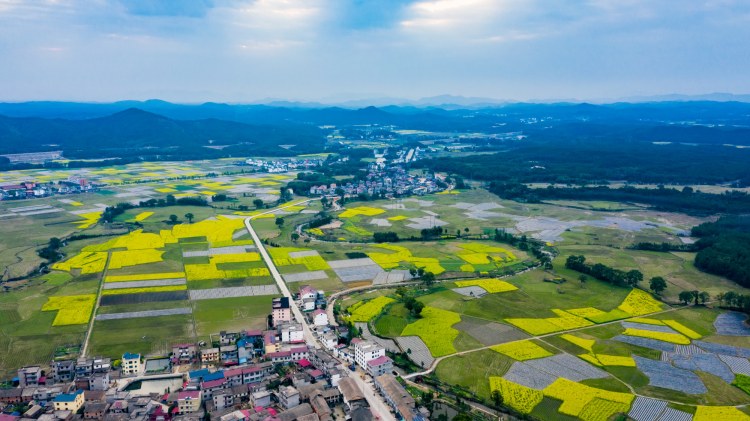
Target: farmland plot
[{"x": 663, "y": 374}]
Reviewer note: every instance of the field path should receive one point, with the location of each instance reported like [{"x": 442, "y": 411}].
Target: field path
[
  {"x": 540, "y": 337},
  {"x": 298, "y": 316},
  {"x": 85, "y": 347}
]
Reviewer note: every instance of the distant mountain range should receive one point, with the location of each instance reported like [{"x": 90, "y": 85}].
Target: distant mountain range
[
  {"x": 137, "y": 132},
  {"x": 134, "y": 128}
]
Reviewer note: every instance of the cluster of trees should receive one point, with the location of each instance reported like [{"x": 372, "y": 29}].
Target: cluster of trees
[
  {"x": 51, "y": 252},
  {"x": 604, "y": 273},
  {"x": 305, "y": 180},
  {"x": 112, "y": 212},
  {"x": 725, "y": 248},
  {"x": 385, "y": 237},
  {"x": 697, "y": 297},
  {"x": 428, "y": 278},
  {"x": 663, "y": 247},
  {"x": 569, "y": 155},
  {"x": 414, "y": 306},
  {"x": 173, "y": 219},
  {"x": 431, "y": 233},
  {"x": 734, "y": 300},
  {"x": 535, "y": 247}
]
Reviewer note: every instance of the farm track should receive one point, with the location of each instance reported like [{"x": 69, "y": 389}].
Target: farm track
[{"x": 85, "y": 346}]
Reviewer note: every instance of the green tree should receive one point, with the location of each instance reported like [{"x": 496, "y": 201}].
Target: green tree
[
  {"x": 685, "y": 297},
  {"x": 279, "y": 222},
  {"x": 170, "y": 200},
  {"x": 173, "y": 218},
  {"x": 428, "y": 278},
  {"x": 633, "y": 277},
  {"x": 295, "y": 237},
  {"x": 657, "y": 284},
  {"x": 703, "y": 296},
  {"x": 189, "y": 216},
  {"x": 497, "y": 398},
  {"x": 258, "y": 204},
  {"x": 417, "y": 308}
]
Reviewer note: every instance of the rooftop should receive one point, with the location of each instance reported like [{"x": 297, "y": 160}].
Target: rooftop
[{"x": 68, "y": 397}]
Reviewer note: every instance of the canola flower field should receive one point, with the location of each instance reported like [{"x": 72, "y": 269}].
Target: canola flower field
[{"x": 71, "y": 310}]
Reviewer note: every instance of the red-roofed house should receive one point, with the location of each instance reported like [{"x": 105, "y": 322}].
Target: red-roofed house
[
  {"x": 279, "y": 357},
  {"x": 299, "y": 352},
  {"x": 379, "y": 366},
  {"x": 307, "y": 292},
  {"x": 304, "y": 363},
  {"x": 320, "y": 317},
  {"x": 189, "y": 401},
  {"x": 211, "y": 386}
]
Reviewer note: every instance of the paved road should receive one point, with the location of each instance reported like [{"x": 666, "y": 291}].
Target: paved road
[{"x": 298, "y": 316}]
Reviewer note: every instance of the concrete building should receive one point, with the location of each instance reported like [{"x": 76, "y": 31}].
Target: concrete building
[
  {"x": 63, "y": 371},
  {"x": 396, "y": 396},
  {"x": 352, "y": 395},
  {"x": 320, "y": 317},
  {"x": 281, "y": 310},
  {"x": 210, "y": 355},
  {"x": 288, "y": 397},
  {"x": 29, "y": 376},
  {"x": 365, "y": 351},
  {"x": 189, "y": 401},
  {"x": 131, "y": 364},
  {"x": 69, "y": 401},
  {"x": 379, "y": 366}
]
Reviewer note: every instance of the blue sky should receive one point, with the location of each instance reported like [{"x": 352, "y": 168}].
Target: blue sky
[{"x": 247, "y": 50}]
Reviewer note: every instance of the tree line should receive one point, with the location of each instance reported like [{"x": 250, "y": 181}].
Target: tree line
[
  {"x": 605, "y": 273},
  {"x": 111, "y": 212},
  {"x": 663, "y": 198}
]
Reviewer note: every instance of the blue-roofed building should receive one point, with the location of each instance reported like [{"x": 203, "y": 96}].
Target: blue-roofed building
[
  {"x": 131, "y": 364},
  {"x": 69, "y": 401},
  {"x": 198, "y": 374},
  {"x": 213, "y": 376}
]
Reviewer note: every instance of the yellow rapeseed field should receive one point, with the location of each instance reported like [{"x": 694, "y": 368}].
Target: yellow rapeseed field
[
  {"x": 674, "y": 338},
  {"x": 719, "y": 413},
  {"x": 361, "y": 210},
  {"x": 120, "y": 259},
  {"x": 521, "y": 398},
  {"x": 577, "y": 396},
  {"x": 587, "y": 344},
  {"x": 144, "y": 277},
  {"x": 122, "y": 291},
  {"x": 87, "y": 262},
  {"x": 71, "y": 309},
  {"x": 490, "y": 285},
  {"x": 522, "y": 351},
  {"x": 370, "y": 309}
]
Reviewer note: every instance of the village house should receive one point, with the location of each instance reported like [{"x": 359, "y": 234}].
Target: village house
[
  {"x": 379, "y": 366},
  {"x": 189, "y": 401},
  {"x": 319, "y": 317},
  {"x": 365, "y": 351},
  {"x": 68, "y": 401},
  {"x": 30, "y": 376},
  {"x": 281, "y": 310},
  {"x": 131, "y": 364}
]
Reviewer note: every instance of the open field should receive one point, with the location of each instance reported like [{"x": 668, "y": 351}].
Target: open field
[{"x": 594, "y": 345}]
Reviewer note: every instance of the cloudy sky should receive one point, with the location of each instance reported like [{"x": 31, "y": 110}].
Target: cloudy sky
[{"x": 247, "y": 50}]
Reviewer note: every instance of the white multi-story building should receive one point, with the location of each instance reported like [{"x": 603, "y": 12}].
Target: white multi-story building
[
  {"x": 131, "y": 364},
  {"x": 365, "y": 351}
]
